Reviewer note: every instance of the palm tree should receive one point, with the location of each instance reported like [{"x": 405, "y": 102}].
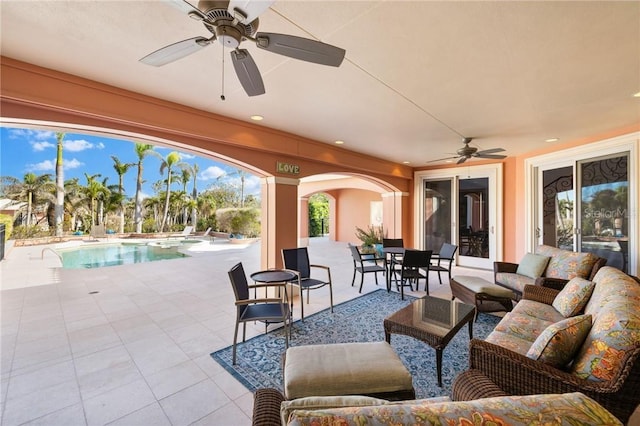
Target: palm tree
[
  {"x": 121, "y": 169},
  {"x": 194, "y": 195},
  {"x": 172, "y": 160},
  {"x": 73, "y": 200},
  {"x": 59, "y": 207},
  {"x": 184, "y": 178},
  {"x": 142, "y": 150},
  {"x": 242, "y": 175},
  {"x": 32, "y": 189},
  {"x": 94, "y": 191}
]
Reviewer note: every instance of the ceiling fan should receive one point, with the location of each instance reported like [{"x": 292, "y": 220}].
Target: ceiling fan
[
  {"x": 231, "y": 22},
  {"x": 466, "y": 152}
]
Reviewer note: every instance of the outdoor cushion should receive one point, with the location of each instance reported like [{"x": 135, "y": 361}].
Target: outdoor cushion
[
  {"x": 616, "y": 326},
  {"x": 559, "y": 342},
  {"x": 573, "y": 297},
  {"x": 566, "y": 264},
  {"x": 571, "y": 409},
  {"x": 514, "y": 281},
  {"x": 344, "y": 369},
  {"x": 532, "y": 265}
]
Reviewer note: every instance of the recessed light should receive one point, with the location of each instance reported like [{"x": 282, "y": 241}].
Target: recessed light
[
  {"x": 552, "y": 140},
  {"x": 339, "y": 142},
  {"x": 449, "y": 161},
  {"x": 257, "y": 117},
  {"x": 406, "y": 162},
  {"x": 636, "y": 95}
]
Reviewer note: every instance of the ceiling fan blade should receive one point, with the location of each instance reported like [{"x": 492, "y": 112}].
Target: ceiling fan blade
[
  {"x": 247, "y": 72},
  {"x": 461, "y": 160},
  {"x": 497, "y": 156},
  {"x": 442, "y": 159},
  {"x": 490, "y": 151},
  {"x": 300, "y": 48},
  {"x": 248, "y": 10},
  {"x": 187, "y": 8},
  {"x": 175, "y": 51}
]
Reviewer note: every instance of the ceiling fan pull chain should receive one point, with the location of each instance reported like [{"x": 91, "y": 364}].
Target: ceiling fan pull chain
[{"x": 222, "y": 95}]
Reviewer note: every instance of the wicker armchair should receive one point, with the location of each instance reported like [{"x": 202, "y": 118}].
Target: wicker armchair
[
  {"x": 516, "y": 374},
  {"x": 508, "y": 268}
]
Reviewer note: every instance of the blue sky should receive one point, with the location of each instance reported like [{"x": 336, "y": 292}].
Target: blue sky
[{"x": 28, "y": 150}]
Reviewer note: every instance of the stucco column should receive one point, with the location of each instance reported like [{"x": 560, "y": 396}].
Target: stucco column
[
  {"x": 279, "y": 219},
  {"x": 303, "y": 222},
  {"x": 394, "y": 215}
]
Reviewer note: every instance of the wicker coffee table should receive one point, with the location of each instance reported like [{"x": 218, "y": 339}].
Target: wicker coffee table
[{"x": 432, "y": 320}]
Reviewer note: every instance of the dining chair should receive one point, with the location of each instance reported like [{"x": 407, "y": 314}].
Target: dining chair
[
  {"x": 269, "y": 310},
  {"x": 297, "y": 260},
  {"x": 413, "y": 262},
  {"x": 395, "y": 260},
  {"x": 364, "y": 266},
  {"x": 447, "y": 254}
]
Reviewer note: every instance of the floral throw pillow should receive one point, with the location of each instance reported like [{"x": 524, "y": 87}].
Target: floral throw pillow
[
  {"x": 558, "y": 343},
  {"x": 573, "y": 297}
]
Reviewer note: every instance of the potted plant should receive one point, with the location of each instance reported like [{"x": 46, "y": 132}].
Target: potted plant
[{"x": 371, "y": 238}]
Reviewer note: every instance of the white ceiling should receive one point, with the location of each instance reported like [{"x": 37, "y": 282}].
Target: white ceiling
[{"x": 417, "y": 76}]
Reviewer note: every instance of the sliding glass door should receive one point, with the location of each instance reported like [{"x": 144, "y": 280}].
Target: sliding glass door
[
  {"x": 584, "y": 206},
  {"x": 462, "y": 206}
]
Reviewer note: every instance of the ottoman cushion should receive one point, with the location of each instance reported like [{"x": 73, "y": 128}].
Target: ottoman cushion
[
  {"x": 344, "y": 369},
  {"x": 480, "y": 285}
]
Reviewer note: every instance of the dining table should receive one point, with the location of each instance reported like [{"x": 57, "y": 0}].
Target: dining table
[
  {"x": 392, "y": 255},
  {"x": 277, "y": 276}
]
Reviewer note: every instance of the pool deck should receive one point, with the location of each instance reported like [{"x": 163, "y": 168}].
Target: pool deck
[{"x": 130, "y": 344}]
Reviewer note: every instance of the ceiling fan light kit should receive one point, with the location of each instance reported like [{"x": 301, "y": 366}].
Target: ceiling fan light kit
[{"x": 231, "y": 22}]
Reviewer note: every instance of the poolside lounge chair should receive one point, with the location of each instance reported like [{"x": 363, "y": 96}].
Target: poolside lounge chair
[
  {"x": 184, "y": 234},
  {"x": 206, "y": 234}
]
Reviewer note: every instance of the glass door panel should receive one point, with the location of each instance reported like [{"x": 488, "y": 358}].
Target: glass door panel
[
  {"x": 473, "y": 217},
  {"x": 557, "y": 208},
  {"x": 437, "y": 213},
  {"x": 604, "y": 209}
]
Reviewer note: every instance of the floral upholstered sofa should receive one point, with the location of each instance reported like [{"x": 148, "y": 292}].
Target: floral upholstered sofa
[
  {"x": 548, "y": 266},
  {"x": 565, "y": 409},
  {"x": 585, "y": 338}
]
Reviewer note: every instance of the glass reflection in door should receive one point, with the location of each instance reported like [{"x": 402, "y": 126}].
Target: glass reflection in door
[
  {"x": 437, "y": 214},
  {"x": 557, "y": 208},
  {"x": 604, "y": 209},
  {"x": 473, "y": 217}
]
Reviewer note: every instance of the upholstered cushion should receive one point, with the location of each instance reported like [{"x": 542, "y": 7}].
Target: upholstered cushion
[
  {"x": 324, "y": 402},
  {"x": 573, "y": 297},
  {"x": 566, "y": 264},
  {"x": 559, "y": 342},
  {"x": 361, "y": 368},
  {"x": 514, "y": 281},
  {"x": 480, "y": 285},
  {"x": 532, "y": 265},
  {"x": 616, "y": 326},
  {"x": 570, "y": 408}
]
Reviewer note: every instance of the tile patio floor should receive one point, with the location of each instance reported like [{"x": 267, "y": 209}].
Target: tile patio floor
[{"x": 137, "y": 351}]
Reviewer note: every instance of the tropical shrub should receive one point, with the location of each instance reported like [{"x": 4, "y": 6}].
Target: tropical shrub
[{"x": 7, "y": 221}]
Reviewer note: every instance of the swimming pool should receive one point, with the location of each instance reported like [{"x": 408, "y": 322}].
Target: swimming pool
[{"x": 102, "y": 255}]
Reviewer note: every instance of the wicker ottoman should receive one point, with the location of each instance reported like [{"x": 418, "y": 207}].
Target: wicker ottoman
[
  {"x": 486, "y": 296},
  {"x": 371, "y": 369}
]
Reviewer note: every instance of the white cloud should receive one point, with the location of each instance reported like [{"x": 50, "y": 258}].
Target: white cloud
[
  {"x": 252, "y": 185},
  {"x": 41, "y": 146},
  {"x": 43, "y": 166},
  {"x": 211, "y": 173},
  {"x": 80, "y": 145},
  {"x": 31, "y": 134},
  {"x": 50, "y": 165},
  {"x": 186, "y": 156},
  {"x": 72, "y": 164}
]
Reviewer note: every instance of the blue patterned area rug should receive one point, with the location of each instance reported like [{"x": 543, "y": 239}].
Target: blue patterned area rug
[{"x": 358, "y": 320}]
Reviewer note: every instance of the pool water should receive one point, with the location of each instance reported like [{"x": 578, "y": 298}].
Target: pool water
[{"x": 115, "y": 254}]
